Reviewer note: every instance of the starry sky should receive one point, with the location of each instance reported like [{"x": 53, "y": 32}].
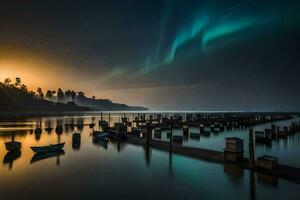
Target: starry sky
[{"x": 163, "y": 54}]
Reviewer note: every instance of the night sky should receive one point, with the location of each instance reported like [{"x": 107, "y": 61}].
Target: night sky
[{"x": 163, "y": 54}]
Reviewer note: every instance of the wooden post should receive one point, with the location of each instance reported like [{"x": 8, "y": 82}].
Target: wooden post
[
  {"x": 109, "y": 120},
  {"x": 148, "y": 134},
  {"x": 251, "y": 149},
  {"x": 171, "y": 135}
]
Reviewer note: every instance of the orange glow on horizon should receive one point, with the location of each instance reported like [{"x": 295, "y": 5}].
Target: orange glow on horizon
[{"x": 34, "y": 68}]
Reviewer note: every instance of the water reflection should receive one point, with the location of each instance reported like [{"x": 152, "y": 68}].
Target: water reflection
[
  {"x": 252, "y": 185},
  {"x": 167, "y": 164},
  {"x": 10, "y": 157},
  {"x": 76, "y": 146},
  {"x": 147, "y": 151},
  {"x": 268, "y": 179},
  {"x": 101, "y": 143},
  {"x": 234, "y": 172},
  {"x": 76, "y": 141},
  {"x": 118, "y": 145},
  {"x": 170, "y": 163},
  {"x": 38, "y": 136}
]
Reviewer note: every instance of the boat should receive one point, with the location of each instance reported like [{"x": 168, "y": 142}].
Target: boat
[
  {"x": 76, "y": 137},
  {"x": 116, "y": 135},
  {"x": 99, "y": 135},
  {"x": 38, "y": 131},
  {"x": 59, "y": 129},
  {"x": 50, "y": 148},
  {"x": 13, "y": 146},
  {"x": 42, "y": 156}
]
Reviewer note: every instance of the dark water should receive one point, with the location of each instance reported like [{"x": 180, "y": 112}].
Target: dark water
[{"x": 119, "y": 170}]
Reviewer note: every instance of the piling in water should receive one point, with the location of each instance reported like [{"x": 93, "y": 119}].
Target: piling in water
[{"x": 251, "y": 150}]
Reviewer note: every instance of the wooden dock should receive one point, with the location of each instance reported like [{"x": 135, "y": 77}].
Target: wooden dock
[{"x": 283, "y": 171}]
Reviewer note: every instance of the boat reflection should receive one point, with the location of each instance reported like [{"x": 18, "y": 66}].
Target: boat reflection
[
  {"x": 118, "y": 145},
  {"x": 101, "y": 143},
  {"x": 10, "y": 157},
  {"x": 42, "y": 156},
  {"x": 267, "y": 179},
  {"x": 76, "y": 146},
  {"x": 234, "y": 172}
]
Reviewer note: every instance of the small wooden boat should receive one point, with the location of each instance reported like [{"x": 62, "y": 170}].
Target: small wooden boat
[
  {"x": 13, "y": 146},
  {"x": 99, "y": 135},
  {"x": 59, "y": 129},
  {"x": 50, "y": 148},
  {"x": 38, "y": 131},
  {"x": 76, "y": 137},
  {"x": 42, "y": 156}
]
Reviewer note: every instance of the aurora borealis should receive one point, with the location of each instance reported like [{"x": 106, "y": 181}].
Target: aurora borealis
[{"x": 182, "y": 55}]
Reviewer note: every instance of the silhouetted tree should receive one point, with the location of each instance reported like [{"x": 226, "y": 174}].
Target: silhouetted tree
[
  {"x": 54, "y": 95},
  {"x": 68, "y": 95},
  {"x": 81, "y": 94},
  {"x": 93, "y": 97},
  {"x": 7, "y": 81},
  {"x": 73, "y": 95},
  {"x": 60, "y": 96},
  {"x": 40, "y": 92},
  {"x": 32, "y": 93},
  {"x": 18, "y": 82},
  {"x": 49, "y": 95},
  {"x": 23, "y": 88}
]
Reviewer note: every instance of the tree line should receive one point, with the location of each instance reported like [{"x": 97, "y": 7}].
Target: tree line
[{"x": 51, "y": 95}]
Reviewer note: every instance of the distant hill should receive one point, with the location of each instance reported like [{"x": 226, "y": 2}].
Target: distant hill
[
  {"x": 15, "y": 99},
  {"x": 104, "y": 104}
]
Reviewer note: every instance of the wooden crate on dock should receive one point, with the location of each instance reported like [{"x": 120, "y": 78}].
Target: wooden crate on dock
[
  {"x": 267, "y": 162},
  {"x": 234, "y": 149}
]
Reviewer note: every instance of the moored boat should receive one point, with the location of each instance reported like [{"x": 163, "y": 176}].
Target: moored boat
[
  {"x": 49, "y": 148},
  {"x": 76, "y": 137},
  {"x": 42, "y": 156},
  {"x": 38, "y": 131},
  {"x": 99, "y": 135}
]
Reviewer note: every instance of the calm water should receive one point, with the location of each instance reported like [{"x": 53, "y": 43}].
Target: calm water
[{"x": 119, "y": 170}]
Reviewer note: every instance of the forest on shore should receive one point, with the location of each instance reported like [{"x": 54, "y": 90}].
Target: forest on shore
[{"x": 15, "y": 96}]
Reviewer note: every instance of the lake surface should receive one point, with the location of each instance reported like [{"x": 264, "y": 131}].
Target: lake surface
[{"x": 120, "y": 170}]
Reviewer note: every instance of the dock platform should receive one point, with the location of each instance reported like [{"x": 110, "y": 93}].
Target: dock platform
[{"x": 283, "y": 171}]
